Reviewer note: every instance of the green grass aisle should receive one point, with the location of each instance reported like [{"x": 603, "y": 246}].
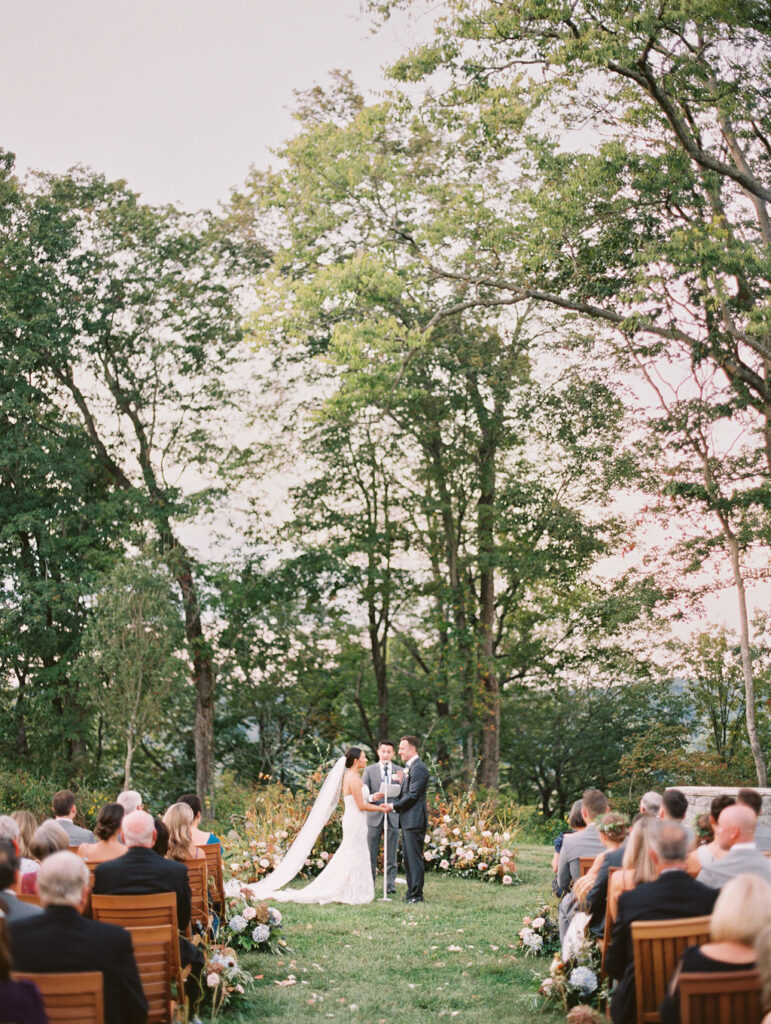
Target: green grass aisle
[{"x": 452, "y": 958}]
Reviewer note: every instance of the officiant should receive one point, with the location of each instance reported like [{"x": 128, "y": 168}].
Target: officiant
[{"x": 383, "y": 771}]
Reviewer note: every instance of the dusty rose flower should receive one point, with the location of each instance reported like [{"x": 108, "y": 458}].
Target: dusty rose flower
[{"x": 584, "y": 1015}]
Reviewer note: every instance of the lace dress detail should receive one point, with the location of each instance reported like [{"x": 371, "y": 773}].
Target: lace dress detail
[{"x": 347, "y": 878}]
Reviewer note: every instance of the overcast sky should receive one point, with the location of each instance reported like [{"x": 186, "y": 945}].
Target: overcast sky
[{"x": 179, "y": 97}]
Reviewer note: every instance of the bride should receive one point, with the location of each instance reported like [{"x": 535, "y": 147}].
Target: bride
[{"x": 347, "y": 878}]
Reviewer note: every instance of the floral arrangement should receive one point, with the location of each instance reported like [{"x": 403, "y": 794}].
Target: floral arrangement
[
  {"x": 540, "y": 935},
  {"x": 468, "y": 849},
  {"x": 575, "y": 980},
  {"x": 248, "y": 924},
  {"x": 224, "y": 981}
]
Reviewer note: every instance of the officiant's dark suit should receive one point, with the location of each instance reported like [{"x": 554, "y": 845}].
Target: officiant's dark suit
[
  {"x": 674, "y": 894},
  {"x": 60, "y": 940},
  {"x": 140, "y": 871},
  {"x": 373, "y": 777},
  {"x": 413, "y": 820}
]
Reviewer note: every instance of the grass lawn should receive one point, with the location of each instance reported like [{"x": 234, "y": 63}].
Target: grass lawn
[{"x": 453, "y": 957}]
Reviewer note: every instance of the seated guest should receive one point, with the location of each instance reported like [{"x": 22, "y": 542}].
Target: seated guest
[
  {"x": 48, "y": 838},
  {"x": 161, "y": 844},
  {"x": 200, "y": 838},
  {"x": 583, "y": 843},
  {"x": 60, "y": 940},
  {"x": 27, "y": 823},
  {"x": 752, "y": 799},
  {"x": 650, "y": 803},
  {"x": 742, "y": 909},
  {"x": 130, "y": 801},
  {"x": 674, "y": 807},
  {"x": 674, "y": 894},
  {"x": 107, "y": 831},
  {"x": 15, "y": 909},
  {"x": 20, "y": 1001},
  {"x": 580, "y": 844},
  {"x": 763, "y": 955},
  {"x": 576, "y": 823},
  {"x": 64, "y": 809},
  {"x": 637, "y": 864},
  {"x": 179, "y": 821},
  {"x": 735, "y": 833},
  {"x": 707, "y": 853},
  {"x": 9, "y": 829},
  {"x": 612, "y": 830},
  {"x": 142, "y": 871}
]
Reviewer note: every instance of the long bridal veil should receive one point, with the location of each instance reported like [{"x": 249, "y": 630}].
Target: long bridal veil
[{"x": 294, "y": 859}]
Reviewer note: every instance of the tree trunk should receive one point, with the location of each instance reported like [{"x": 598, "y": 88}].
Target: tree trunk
[
  {"x": 129, "y": 758},
  {"x": 749, "y": 682},
  {"x": 488, "y": 684}
]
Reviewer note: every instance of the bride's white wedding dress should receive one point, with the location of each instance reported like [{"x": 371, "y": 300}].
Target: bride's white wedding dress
[{"x": 347, "y": 878}]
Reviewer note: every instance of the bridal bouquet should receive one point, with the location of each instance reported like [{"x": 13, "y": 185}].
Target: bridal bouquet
[{"x": 248, "y": 924}]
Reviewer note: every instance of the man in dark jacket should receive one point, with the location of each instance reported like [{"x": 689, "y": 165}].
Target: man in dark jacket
[
  {"x": 413, "y": 816},
  {"x": 60, "y": 940},
  {"x": 141, "y": 871},
  {"x": 674, "y": 894}
]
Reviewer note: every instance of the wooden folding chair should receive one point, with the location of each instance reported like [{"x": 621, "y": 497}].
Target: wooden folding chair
[
  {"x": 605, "y": 940},
  {"x": 144, "y": 911},
  {"x": 584, "y": 863},
  {"x": 76, "y": 998},
  {"x": 156, "y": 951},
  {"x": 199, "y": 910},
  {"x": 657, "y": 947},
  {"x": 213, "y": 854},
  {"x": 726, "y": 997}
]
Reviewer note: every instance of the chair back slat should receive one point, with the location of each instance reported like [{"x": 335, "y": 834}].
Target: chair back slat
[
  {"x": 657, "y": 947},
  {"x": 156, "y": 951},
  {"x": 725, "y": 997},
  {"x": 150, "y": 909},
  {"x": 199, "y": 908},
  {"x": 608, "y": 919},
  {"x": 76, "y": 998},
  {"x": 213, "y": 854},
  {"x": 584, "y": 863},
  {"x": 28, "y": 897}
]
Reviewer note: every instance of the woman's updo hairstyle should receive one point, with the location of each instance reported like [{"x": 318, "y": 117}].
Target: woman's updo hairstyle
[
  {"x": 109, "y": 821},
  {"x": 352, "y": 754}
]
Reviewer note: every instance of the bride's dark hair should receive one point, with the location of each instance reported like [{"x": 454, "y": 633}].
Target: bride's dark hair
[{"x": 352, "y": 754}]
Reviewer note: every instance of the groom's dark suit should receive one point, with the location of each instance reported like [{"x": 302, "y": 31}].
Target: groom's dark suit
[{"x": 413, "y": 819}]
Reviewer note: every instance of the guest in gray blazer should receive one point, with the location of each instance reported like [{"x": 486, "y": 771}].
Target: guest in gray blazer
[
  {"x": 15, "y": 909},
  {"x": 64, "y": 809},
  {"x": 585, "y": 843},
  {"x": 383, "y": 770},
  {"x": 735, "y": 832}
]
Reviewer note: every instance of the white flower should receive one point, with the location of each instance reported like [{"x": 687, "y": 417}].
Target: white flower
[
  {"x": 237, "y": 923},
  {"x": 240, "y": 989},
  {"x": 447, "y": 819},
  {"x": 456, "y": 831},
  {"x": 325, "y": 855},
  {"x": 444, "y": 864},
  {"x": 319, "y": 863},
  {"x": 274, "y": 916},
  {"x": 212, "y": 980},
  {"x": 428, "y": 855},
  {"x": 261, "y": 933},
  {"x": 583, "y": 979},
  {"x": 482, "y": 866},
  {"x": 536, "y": 941},
  {"x": 539, "y": 922},
  {"x": 486, "y": 834},
  {"x": 249, "y": 913},
  {"x": 506, "y": 880},
  {"x": 525, "y": 934},
  {"x": 469, "y": 855},
  {"x": 264, "y": 862},
  {"x": 506, "y": 837},
  {"x": 232, "y": 888}
]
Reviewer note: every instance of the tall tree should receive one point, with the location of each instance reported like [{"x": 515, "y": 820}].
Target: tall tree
[{"x": 126, "y": 316}]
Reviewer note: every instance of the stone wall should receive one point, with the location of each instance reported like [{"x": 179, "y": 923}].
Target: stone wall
[{"x": 700, "y": 797}]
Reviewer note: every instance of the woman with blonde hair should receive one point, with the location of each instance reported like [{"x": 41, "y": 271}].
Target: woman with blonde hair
[
  {"x": 48, "y": 838},
  {"x": 741, "y": 912},
  {"x": 179, "y": 821},
  {"x": 27, "y": 823},
  {"x": 636, "y": 867}
]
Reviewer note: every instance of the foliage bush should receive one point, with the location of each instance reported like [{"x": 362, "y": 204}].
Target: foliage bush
[{"x": 20, "y": 790}]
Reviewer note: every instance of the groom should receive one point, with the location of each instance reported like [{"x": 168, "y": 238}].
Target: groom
[{"x": 410, "y": 805}]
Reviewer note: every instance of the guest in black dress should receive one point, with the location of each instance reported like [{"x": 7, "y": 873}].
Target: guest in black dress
[
  {"x": 19, "y": 1000},
  {"x": 742, "y": 910}
]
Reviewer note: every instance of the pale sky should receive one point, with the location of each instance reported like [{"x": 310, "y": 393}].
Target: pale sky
[{"x": 179, "y": 97}]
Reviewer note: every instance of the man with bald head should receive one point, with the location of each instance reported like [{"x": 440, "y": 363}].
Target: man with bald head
[
  {"x": 735, "y": 833},
  {"x": 140, "y": 871}
]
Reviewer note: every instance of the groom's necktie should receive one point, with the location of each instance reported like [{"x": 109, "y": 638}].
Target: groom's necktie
[{"x": 385, "y": 774}]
